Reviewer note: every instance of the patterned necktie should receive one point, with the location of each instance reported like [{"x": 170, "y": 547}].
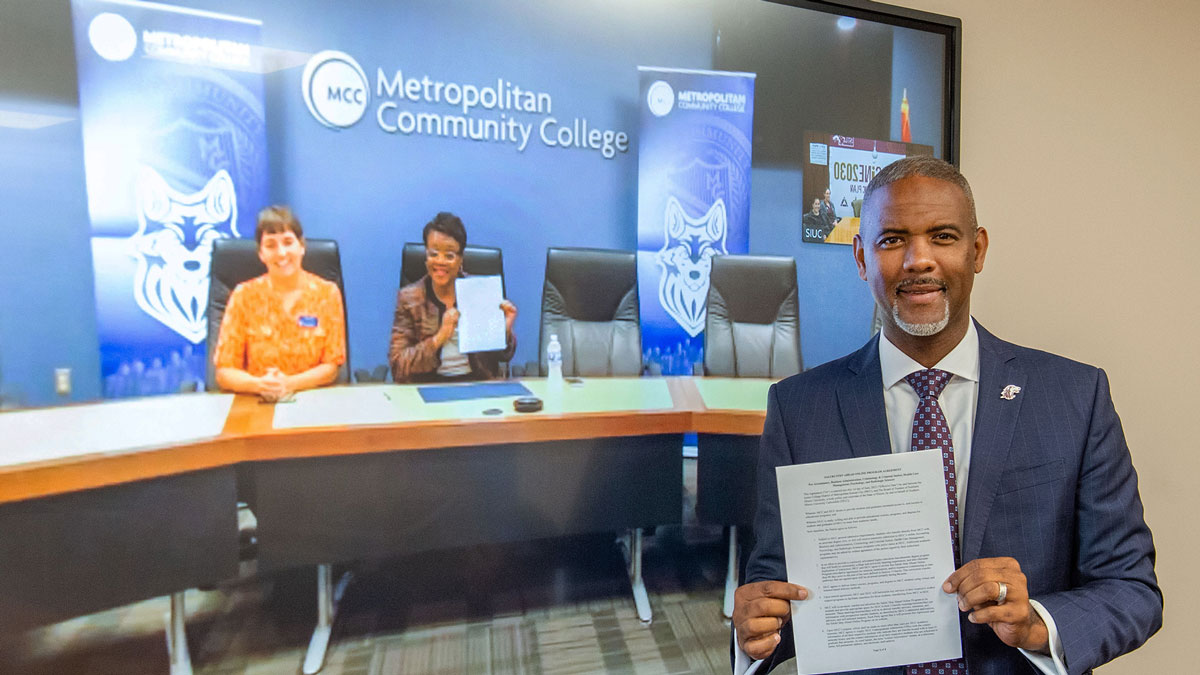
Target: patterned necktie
[{"x": 931, "y": 432}]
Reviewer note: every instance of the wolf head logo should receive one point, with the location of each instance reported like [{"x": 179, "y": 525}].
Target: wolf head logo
[
  {"x": 173, "y": 248},
  {"x": 686, "y": 260}
]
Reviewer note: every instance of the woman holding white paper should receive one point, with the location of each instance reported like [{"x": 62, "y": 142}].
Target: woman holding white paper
[{"x": 425, "y": 344}]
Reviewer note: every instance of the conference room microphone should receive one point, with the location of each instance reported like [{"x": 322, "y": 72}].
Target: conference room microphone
[{"x": 527, "y": 404}]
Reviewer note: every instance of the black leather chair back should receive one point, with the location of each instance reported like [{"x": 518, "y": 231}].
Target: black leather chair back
[
  {"x": 590, "y": 300},
  {"x": 236, "y": 260},
  {"x": 753, "y": 324},
  {"x": 481, "y": 261}
]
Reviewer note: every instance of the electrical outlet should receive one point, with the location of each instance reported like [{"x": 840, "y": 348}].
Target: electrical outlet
[{"x": 62, "y": 381}]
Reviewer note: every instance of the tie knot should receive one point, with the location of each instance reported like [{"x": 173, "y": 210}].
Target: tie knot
[{"x": 928, "y": 383}]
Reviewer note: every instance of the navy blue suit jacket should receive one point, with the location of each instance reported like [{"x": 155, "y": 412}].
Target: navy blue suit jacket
[{"x": 1051, "y": 484}]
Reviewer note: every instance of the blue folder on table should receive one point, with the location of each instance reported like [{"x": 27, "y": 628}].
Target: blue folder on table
[{"x": 465, "y": 392}]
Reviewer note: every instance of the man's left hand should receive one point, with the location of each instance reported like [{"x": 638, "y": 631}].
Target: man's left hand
[{"x": 1015, "y": 622}]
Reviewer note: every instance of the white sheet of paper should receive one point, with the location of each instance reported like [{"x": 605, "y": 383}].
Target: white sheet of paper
[
  {"x": 338, "y": 406},
  {"x": 870, "y": 539},
  {"x": 480, "y": 321},
  {"x": 117, "y": 426}
]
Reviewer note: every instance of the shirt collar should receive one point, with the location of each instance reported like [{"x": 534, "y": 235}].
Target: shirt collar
[{"x": 962, "y": 361}]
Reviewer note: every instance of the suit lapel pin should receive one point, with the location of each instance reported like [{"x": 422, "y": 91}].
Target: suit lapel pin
[{"x": 1010, "y": 392}]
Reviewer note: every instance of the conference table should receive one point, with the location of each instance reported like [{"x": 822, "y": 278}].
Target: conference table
[
  {"x": 108, "y": 503},
  {"x": 844, "y": 231}
]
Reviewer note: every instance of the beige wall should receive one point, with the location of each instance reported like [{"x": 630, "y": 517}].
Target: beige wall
[{"x": 1081, "y": 137}]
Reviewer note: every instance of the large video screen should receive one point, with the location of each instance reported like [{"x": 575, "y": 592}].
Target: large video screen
[{"x": 527, "y": 119}]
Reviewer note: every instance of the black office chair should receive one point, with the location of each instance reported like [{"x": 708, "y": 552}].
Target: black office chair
[
  {"x": 236, "y": 260},
  {"x": 752, "y": 330},
  {"x": 480, "y": 261},
  {"x": 753, "y": 323},
  {"x": 590, "y": 300}
]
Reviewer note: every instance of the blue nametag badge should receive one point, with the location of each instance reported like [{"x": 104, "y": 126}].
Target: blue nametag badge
[{"x": 308, "y": 321}]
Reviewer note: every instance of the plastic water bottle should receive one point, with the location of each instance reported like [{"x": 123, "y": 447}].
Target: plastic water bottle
[{"x": 554, "y": 360}]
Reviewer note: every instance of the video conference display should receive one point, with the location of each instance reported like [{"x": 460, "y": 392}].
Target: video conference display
[
  {"x": 525, "y": 119},
  {"x": 837, "y": 169}
]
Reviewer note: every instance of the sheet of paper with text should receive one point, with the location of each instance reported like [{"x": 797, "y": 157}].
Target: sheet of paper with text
[
  {"x": 869, "y": 538},
  {"x": 481, "y": 321}
]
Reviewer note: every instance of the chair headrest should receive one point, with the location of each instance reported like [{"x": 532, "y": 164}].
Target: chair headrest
[
  {"x": 592, "y": 282},
  {"x": 759, "y": 283}
]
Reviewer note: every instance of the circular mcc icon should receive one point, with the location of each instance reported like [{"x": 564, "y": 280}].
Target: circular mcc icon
[
  {"x": 335, "y": 89},
  {"x": 112, "y": 36},
  {"x": 660, "y": 98}
]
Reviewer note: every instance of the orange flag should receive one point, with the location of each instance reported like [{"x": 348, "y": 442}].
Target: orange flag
[{"x": 905, "y": 129}]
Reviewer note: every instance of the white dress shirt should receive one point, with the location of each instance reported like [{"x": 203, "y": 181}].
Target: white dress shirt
[{"x": 958, "y": 402}]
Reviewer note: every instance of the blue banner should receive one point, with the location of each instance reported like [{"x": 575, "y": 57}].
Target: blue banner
[
  {"x": 175, "y": 157},
  {"x": 693, "y": 201}
]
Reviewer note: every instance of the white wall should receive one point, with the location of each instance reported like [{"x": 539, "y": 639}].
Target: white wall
[{"x": 1081, "y": 137}]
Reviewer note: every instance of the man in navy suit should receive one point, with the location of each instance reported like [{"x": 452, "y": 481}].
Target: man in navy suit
[{"x": 1057, "y": 571}]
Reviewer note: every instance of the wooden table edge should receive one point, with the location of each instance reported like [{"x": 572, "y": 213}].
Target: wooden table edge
[{"x": 248, "y": 435}]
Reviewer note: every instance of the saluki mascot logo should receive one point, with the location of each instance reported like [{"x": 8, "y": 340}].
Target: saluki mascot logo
[
  {"x": 686, "y": 261},
  {"x": 173, "y": 246}
]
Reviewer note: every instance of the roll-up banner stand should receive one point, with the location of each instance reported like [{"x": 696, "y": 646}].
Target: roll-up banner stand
[
  {"x": 174, "y": 140},
  {"x": 693, "y": 201}
]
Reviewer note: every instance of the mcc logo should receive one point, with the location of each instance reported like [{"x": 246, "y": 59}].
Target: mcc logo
[{"x": 335, "y": 89}]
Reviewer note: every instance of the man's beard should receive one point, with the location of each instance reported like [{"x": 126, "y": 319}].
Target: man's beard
[{"x": 923, "y": 329}]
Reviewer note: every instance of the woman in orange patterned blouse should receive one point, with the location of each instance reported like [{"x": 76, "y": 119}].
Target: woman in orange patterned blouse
[{"x": 284, "y": 331}]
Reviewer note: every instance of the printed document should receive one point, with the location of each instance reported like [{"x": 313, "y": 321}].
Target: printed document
[
  {"x": 870, "y": 539},
  {"x": 480, "y": 321}
]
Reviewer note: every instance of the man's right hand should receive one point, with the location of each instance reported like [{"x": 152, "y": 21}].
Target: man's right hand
[{"x": 759, "y": 610}]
